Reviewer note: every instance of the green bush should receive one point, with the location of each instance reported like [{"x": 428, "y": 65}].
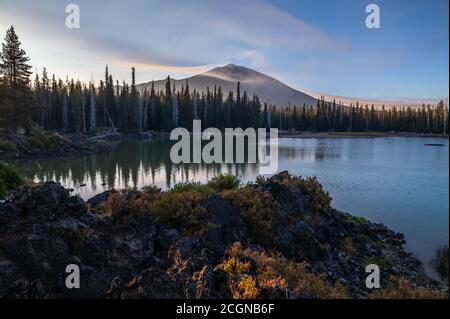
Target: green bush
[
  {"x": 319, "y": 199},
  {"x": 128, "y": 205},
  {"x": 204, "y": 190},
  {"x": 45, "y": 140},
  {"x": 7, "y": 146},
  {"x": 258, "y": 209},
  {"x": 223, "y": 182},
  {"x": 36, "y": 142},
  {"x": 358, "y": 219},
  {"x": 181, "y": 210},
  {"x": 9, "y": 178}
]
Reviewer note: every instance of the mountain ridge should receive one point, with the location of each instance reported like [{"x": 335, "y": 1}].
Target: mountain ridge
[
  {"x": 270, "y": 89},
  {"x": 267, "y": 88}
]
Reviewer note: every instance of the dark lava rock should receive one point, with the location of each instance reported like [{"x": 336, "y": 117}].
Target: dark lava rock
[
  {"x": 98, "y": 199},
  {"x": 154, "y": 283},
  {"x": 133, "y": 255}
]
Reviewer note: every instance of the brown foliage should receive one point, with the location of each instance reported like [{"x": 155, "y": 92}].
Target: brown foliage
[
  {"x": 401, "y": 288},
  {"x": 276, "y": 271}
]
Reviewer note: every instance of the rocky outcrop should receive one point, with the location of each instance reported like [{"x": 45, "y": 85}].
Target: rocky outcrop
[
  {"x": 48, "y": 144},
  {"x": 133, "y": 254}
]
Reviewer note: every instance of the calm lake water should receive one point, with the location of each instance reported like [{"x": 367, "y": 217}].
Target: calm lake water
[{"x": 397, "y": 181}]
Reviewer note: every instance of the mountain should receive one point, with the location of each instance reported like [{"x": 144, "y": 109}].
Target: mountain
[{"x": 267, "y": 88}]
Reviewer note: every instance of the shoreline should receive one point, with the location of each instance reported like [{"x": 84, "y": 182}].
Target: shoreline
[
  {"x": 48, "y": 144},
  {"x": 303, "y": 134}
]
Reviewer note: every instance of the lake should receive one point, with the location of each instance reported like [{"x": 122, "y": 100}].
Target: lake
[{"x": 398, "y": 181}]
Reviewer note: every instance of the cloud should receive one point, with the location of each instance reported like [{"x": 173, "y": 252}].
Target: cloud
[
  {"x": 257, "y": 59},
  {"x": 163, "y": 35}
]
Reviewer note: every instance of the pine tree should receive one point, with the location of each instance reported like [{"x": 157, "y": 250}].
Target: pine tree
[
  {"x": 16, "y": 101},
  {"x": 14, "y": 68},
  {"x": 133, "y": 105},
  {"x": 133, "y": 81}
]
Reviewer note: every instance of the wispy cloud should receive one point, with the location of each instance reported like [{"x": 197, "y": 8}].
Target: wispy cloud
[
  {"x": 320, "y": 45},
  {"x": 164, "y": 36}
]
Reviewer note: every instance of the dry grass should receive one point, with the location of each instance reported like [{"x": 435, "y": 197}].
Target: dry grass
[
  {"x": 401, "y": 288},
  {"x": 275, "y": 271}
]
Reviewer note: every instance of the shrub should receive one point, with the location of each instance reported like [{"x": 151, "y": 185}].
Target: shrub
[
  {"x": 144, "y": 200},
  {"x": 9, "y": 178},
  {"x": 382, "y": 262},
  {"x": 258, "y": 209},
  {"x": 276, "y": 271},
  {"x": 246, "y": 288},
  {"x": 241, "y": 285},
  {"x": 75, "y": 239},
  {"x": 358, "y": 219},
  {"x": 180, "y": 207},
  {"x": 56, "y": 138},
  {"x": 260, "y": 179},
  {"x": 204, "y": 190},
  {"x": 7, "y": 146},
  {"x": 115, "y": 203},
  {"x": 41, "y": 139},
  {"x": 35, "y": 142},
  {"x": 40, "y": 142},
  {"x": 319, "y": 199},
  {"x": 347, "y": 245},
  {"x": 401, "y": 288},
  {"x": 130, "y": 203},
  {"x": 224, "y": 182},
  {"x": 181, "y": 210},
  {"x": 440, "y": 261}
]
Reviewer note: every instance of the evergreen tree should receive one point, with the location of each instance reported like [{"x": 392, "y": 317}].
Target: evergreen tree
[
  {"x": 16, "y": 101},
  {"x": 70, "y": 106},
  {"x": 13, "y": 66}
]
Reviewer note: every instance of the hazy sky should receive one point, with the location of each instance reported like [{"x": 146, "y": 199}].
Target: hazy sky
[{"x": 323, "y": 46}]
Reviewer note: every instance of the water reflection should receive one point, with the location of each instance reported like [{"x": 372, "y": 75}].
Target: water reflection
[
  {"x": 397, "y": 181},
  {"x": 132, "y": 164}
]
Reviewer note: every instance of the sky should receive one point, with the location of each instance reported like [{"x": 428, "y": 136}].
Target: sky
[{"x": 317, "y": 46}]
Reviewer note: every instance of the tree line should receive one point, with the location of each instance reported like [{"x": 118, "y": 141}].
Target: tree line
[
  {"x": 333, "y": 117},
  {"x": 74, "y": 107}
]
